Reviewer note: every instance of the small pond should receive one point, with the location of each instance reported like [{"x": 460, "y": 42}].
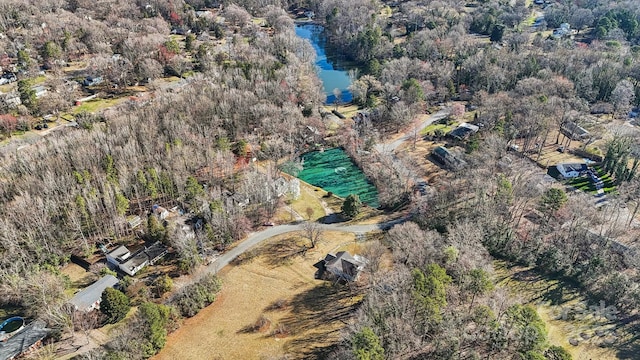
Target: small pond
[
  {"x": 333, "y": 170},
  {"x": 333, "y": 74}
]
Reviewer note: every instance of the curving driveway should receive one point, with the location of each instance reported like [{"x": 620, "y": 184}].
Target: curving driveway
[
  {"x": 392, "y": 146},
  {"x": 257, "y": 237}
]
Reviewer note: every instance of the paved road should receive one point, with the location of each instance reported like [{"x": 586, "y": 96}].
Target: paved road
[
  {"x": 392, "y": 146},
  {"x": 257, "y": 237}
]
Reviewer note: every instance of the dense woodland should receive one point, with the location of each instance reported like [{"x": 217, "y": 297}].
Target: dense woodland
[{"x": 252, "y": 93}]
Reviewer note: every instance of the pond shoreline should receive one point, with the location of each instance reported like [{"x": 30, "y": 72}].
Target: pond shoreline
[
  {"x": 335, "y": 171},
  {"x": 332, "y": 71}
]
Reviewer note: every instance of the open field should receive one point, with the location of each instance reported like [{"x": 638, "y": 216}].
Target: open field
[
  {"x": 271, "y": 305},
  {"x": 92, "y": 106},
  {"x": 311, "y": 197},
  {"x": 569, "y": 316}
]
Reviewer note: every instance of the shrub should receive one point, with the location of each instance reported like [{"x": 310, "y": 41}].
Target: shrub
[
  {"x": 351, "y": 206},
  {"x": 162, "y": 285},
  {"x": 114, "y": 304},
  {"x": 195, "y": 297}
]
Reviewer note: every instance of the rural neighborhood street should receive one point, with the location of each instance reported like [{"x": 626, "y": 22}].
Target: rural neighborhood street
[
  {"x": 392, "y": 146},
  {"x": 257, "y": 237}
]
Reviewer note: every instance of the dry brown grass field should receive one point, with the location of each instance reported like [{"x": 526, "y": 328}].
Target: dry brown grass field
[
  {"x": 560, "y": 305},
  {"x": 271, "y": 305}
]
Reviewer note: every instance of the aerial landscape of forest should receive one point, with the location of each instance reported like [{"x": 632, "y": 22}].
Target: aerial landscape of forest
[{"x": 320, "y": 179}]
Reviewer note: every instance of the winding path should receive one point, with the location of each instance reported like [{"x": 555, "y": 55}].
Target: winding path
[
  {"x": 257, "y": 237},
  {"x": 392, "y": 146}
]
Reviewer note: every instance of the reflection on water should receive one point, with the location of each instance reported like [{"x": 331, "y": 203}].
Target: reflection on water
[{"x": 333, "y": 75}]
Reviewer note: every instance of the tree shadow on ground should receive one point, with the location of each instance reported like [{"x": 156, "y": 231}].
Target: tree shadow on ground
[
  {"x": 282, "y": 252},
  {"x": 629, "y": 348},
  {"x": 318, "y": 314},
  {"x": 332, "y": 219}
]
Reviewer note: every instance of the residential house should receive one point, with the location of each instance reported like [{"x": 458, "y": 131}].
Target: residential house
[
  {"x": 89, "y": 298},
  {"x": 563, "y": 31},
  {"x": 567, "y": 171},
  {"x": 11, "y": 99},
  {"x": 574, "y": 131},
  {"x": 447, "y": 158},
  {"x": 341, "y": 266},
  {"x": 160, "y": 212},
  {"x": 129, "y": 263},
  {"x": 463, "y": 131},
  {"x": 8, "y": 78},
  {"x": 39, "y": 91},
  {"x": 92, "y": 81},
  {"x": 24, "y": 341}
]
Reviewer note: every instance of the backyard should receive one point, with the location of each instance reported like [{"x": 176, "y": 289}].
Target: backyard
[
  {"x": 585, "y": 184},
  {"x": 272, "y": 305}
]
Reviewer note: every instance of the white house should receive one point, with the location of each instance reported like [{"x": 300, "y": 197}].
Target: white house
[
  {"x": 129, "y": 263},
  {"x": 569, "y": 171}
]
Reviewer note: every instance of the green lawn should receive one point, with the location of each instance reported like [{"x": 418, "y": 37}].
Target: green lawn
[
  {"x": 92, "y": 106},
  {"x": 585, "y": 184},
  {"x": 431, "y": 129}
]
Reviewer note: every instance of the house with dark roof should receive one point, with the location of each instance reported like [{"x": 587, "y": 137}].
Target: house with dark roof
[
  {"x": 89, "y": 298},
  {"x": 341, "y": 266},
  {"x": 129, "y": 263},
  {"x": 574, "y": 131},
  {"x": 447, "y": 158},
  {"x": 24, "y": 341},
  {"x": 463, "y": 131}
]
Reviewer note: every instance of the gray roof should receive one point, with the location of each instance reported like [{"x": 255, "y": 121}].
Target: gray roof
[
  {"x": 119, "y": 252},
  {"x": 574, "y": 167},
  {"x": 23, "y": 340},
  {"x": 92, "y": 293},
  {"x": 145, "y": 255},
  {"x": 341, "y": 264}
]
